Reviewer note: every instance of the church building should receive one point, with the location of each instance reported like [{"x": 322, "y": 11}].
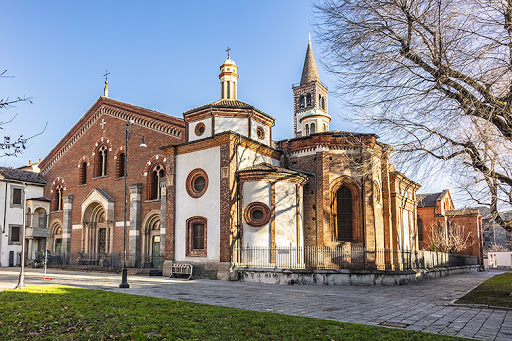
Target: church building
[{"x": 212, "y": 188}]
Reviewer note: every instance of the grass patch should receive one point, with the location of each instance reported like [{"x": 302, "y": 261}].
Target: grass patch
[
  {"x": 494, "y": 292},
  {"x": 49, "y": 312}
]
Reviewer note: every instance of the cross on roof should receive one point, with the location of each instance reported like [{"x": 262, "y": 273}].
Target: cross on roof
[
  {"x": 228, "y": 49},
  {"x": 102, "y": 124},
  {"x": 106, "y": 75}
]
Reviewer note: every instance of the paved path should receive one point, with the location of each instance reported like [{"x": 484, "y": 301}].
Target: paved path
[{"x": 424, "y": 306}]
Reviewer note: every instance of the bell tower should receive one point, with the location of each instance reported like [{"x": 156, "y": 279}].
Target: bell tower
[
  {"x": 310, "y": 100},
  {"x": 228, "y": 79}
]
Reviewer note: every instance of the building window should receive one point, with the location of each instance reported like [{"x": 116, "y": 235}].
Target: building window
[
  {"x": 257, "y": 214},
  {"x": 302, "y": 102},
  {"x": 57, "y": 198},
  {"x": 15, "y": 235},
  {"x": 40, "y": 218},
  {"x": 321, "y": 101},
  {"x": 83, "y": 174},
  {"x": 325, "y": 127},
  {"x": 197, "y": 183},
  {"x": 120, "y": 166},
  {"x": 261, "y": 133},
  {"x": 102, "y": 161},
  {"x": 196, "y": 237},
  {"x": 313, "y": 128},
  {"x": 229, "y": 88},
  {"x": 154, "y": 182},
  {"x": 200, "y": 129},
  {"x": 308, "y": 100},
  {"x": 344, "y": 214},
  {"x": 16, "y": 196},
  {"x": 420, "y": 230},
  {"x": 307, "y": 129}
]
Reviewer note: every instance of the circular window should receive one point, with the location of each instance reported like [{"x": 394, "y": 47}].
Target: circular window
[
  {"x": 261, "y": 133},
  {"x": 200, "y": 128},
  {"x": 197, "y": 183},
  {"x": 257, "y": 214}
]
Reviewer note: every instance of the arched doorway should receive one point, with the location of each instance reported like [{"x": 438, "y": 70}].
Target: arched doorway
[
  {"x": 344, "y": 225},
  {"x": 95, "y": 232},
  {"x": 151, "y": 241},
  {"x": 55, "y": 240}
]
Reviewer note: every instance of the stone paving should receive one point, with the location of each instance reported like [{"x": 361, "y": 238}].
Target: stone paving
[{"x": 423, "y": 306}]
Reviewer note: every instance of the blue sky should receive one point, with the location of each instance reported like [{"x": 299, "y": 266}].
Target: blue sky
[{"x": 161, "y": 55}]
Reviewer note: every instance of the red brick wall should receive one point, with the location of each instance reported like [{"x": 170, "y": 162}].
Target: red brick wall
[{"x": 114, "y": 131}]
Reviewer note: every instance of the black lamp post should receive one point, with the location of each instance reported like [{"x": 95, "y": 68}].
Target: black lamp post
[{"x": 124, "y": 280}]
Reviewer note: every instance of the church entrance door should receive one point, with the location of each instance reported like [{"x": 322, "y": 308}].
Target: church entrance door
[{"x": 155, "y": 252}]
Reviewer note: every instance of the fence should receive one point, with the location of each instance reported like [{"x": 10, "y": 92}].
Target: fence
[
  {"x": 351, "y": 257},
  {"x": 105, "y": 262}
]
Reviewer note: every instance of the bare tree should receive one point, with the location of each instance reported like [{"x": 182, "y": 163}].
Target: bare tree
[
  {"x": 12, "y": 146},
  {"x": 455, "y": 240},
  {"x": 437, "y": 75}
]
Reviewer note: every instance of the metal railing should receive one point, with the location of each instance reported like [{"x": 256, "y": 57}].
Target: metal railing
[
  {"x": 351, "y": 257},
  {"x": 112, "y": 262}
]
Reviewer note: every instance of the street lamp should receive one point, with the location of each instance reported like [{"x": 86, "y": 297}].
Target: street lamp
[{"x": 128, "y": 135}]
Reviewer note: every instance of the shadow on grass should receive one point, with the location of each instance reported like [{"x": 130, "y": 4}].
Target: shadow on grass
[{"x": 49, "y": 312}]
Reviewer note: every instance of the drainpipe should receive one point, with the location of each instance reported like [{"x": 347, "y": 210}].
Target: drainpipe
[
  {"x": 5, "y": 206},
  {"x": 285, "y": 153}
]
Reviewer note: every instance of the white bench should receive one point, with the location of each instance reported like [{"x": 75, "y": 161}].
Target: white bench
[{"x": 181, "y": 269}]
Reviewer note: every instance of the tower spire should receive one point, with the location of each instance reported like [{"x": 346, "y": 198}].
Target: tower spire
[
  {"x": 228, "y": 78},
  {"x": 309, "y": 71},
  {"x": 105, "y": 90}
]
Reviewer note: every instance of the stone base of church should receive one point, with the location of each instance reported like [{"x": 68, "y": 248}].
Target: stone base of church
[
  {"x": 346, "y": 277},
  {"x": 212, "y": 270}
]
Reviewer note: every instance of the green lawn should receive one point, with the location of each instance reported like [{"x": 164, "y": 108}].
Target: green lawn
[
  {"x": 66, "y": 313},
  {"x": 494, "y": 292}
]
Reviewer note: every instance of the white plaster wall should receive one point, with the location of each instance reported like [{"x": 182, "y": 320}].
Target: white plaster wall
[
  {"x": 254, "y": 135},
  {"x": 238, "y": 125},
  {"x": 12, "y": 216},
  {"x": 207, "y": 206},
  {"x": 319, "y": 123},
  {"x": 286, "y": 215},
  {"x": 502, "y": 259},
  {"x": 247, "y": 158},
  {"x": 207, "y": 129},
  {"x": 256, "y": 236}
]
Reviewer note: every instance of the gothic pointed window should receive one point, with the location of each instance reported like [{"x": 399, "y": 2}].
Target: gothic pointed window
[
  {"x": 83, "y": 174},
  {"x": 57, "y": 198},
  {"x": 102, "y": 161},
  {"x": 313, "y": 128},
  {"x": 302, "y": 102},
  {"x": 420, "y": 230},
  {"x": 344, "y": 214},
  {"x": 157, "y": 173},
  {"x": 308, "y": 100}
]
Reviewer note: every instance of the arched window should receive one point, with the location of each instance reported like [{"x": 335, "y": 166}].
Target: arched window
[
  {"x": 28, "y": 217},
  {"x": 102, "y": 161},
  {"x": 196, "y": 236},
  {"x": 57, "y": 198},
  {"x": 40, "y": 218},
  {"x": 344, "y": 214},
  {"x": 302, "y": 102},
  {"x": 313, "y": 128},
  {"x": 83, "y": 174},
  {"x": 420, "y": 230},
  {"x": 154, "y": 182},
  {"x": 307, "y": 129},
  {"x": 308, "y": 100},
  {"x": 120, "y": 172},
  {"x": 325, "y": 127}
]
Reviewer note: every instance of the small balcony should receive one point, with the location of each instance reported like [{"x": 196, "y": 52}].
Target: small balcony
[{"x": 36, "y": 232}]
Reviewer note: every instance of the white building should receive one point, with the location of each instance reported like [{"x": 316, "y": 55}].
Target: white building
[{"x": 22, "y": 201}]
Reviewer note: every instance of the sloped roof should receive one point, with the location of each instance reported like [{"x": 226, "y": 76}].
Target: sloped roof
[
  {"x": 228, "y": 103},
  {"x": 429, "y": 199},
  {"x": 40, "y": 199},
  {"x": 267, "y": 167},
  {"x": 20, "y": 175},
  {"x": 464, "y": 211},
  {"x": 309, "y": 71}
]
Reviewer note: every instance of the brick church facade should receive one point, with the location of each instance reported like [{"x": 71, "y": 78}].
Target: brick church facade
[{"x": 212, "y": 184}]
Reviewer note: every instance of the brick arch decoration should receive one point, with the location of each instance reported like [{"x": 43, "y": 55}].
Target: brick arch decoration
[
  {"x": 80, "y": 163},
  {"x": 118, "y": 167},
  {"x": 357, "y": 215},
  {"x": 104, "y": 141},
  {"x": 156, "y": 160},
  {"x": 59, "y": 181}
]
